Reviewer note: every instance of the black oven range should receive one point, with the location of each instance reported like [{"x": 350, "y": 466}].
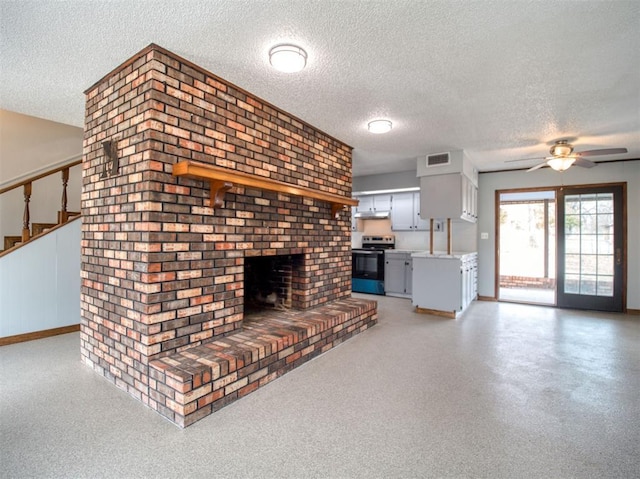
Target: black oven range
[{"x": 368, "y": 264}]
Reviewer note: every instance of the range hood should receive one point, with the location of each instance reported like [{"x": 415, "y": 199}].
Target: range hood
[{"x": 372, "y": 215}]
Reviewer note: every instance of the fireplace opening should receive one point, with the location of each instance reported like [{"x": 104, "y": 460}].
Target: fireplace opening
[{"x": 270, "y": 283}]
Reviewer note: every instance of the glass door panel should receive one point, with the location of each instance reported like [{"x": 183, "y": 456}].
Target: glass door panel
[{"x": 590, "y": 243}]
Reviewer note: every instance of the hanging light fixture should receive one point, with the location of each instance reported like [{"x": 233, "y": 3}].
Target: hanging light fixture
[
  {"x": 380, "y": 126},
  {"x": 561, "y": 164},
  {"x": 561, "y": 148},
  {"x": 561, "y": 160},
  {"x": 287, "y": 58}
]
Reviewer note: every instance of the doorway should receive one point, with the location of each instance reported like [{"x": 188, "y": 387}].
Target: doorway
[
  {"x": 527, "y": 246},
  {"x": 562, "y": 246}
]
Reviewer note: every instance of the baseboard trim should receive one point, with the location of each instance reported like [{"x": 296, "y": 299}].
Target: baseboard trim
[
  {"x": 633, "y": 311},
  {"x": 21, "y": 338},
  {"x": 436, "y": 312},
  {"x": 487, "y": 298}
]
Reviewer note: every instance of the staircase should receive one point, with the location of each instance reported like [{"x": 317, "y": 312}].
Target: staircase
[
  {"x": 11, "y": 241},
  {"x": 37, "y": 230},
  {"x": 48, "y": 270},
  {"x": 32, "y": 231}
]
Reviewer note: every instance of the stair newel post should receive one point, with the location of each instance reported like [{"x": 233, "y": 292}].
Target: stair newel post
[
  {"x": 25, "y": 217},
  {"x": 64, "y": 216}
]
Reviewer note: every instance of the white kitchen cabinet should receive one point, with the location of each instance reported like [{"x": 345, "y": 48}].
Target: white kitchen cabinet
[
  {"x": 405, "y": 212},
  {"x": 444, "y": 283},
  {"x": 373, "y": 203},
  {"x": 452, "y": 196},
  {"x": 398, "y": 276},
  {"x": 420, "y": 223},
  {"x": 469, "y": 200}
]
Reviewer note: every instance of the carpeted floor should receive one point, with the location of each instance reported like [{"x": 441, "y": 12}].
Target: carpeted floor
[{"x": 504, "y": 391}]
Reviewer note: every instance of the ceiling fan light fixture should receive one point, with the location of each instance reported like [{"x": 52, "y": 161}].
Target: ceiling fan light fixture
[
  {"x": 561, "y": 148},
  {"x": 561, "y": 164},
  {"x": 287, "y": 58},
  {"x": 379, "y": 126}
]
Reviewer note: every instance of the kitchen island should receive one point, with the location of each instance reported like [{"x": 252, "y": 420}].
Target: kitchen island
[{"x": 444, "y": 284}]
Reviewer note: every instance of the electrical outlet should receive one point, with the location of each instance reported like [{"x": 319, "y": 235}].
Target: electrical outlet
[{"x": 484, "y": 235}]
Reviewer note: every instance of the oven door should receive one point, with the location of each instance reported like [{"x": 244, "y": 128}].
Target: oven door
[{"x": 368, "y": 264}]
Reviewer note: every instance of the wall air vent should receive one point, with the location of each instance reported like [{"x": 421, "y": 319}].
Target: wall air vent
[{"x": 438, "y": 160}]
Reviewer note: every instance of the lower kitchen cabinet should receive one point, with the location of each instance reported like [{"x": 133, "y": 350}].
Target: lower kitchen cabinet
[
  {"x": 398, "y": 276},
  {"x": 444, "y": 284}
]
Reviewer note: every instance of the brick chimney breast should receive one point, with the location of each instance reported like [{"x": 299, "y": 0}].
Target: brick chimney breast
[{"x": 162, "y": 271}]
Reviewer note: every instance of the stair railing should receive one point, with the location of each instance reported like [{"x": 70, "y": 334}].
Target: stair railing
[{"x": 63, "y": 215}]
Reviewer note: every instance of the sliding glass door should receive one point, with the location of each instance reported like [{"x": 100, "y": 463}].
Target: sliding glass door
[
  {"x": 590, "y": 248},
  {"x": 562, "y": 246}
]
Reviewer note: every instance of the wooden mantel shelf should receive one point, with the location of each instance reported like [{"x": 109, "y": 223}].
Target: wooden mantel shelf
[{"x": 223, "y": 179}]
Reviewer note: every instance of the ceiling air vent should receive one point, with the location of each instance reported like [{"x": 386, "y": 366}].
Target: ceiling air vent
[{"x": 438, "y": 160}]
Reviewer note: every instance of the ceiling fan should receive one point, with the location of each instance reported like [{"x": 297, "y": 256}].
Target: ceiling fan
[{"x": 562, "y": 156}]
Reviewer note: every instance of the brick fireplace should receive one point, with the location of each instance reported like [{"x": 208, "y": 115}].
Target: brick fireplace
[
  {"x": 273, "y": 283},
  {"x": 172, "y": 262}
]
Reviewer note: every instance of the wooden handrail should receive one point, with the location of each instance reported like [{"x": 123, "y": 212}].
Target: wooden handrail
[
  {"x": 41, "y": 175},
  {"x": 27, "y": 184},
  {"x": 223, "y": 179}
]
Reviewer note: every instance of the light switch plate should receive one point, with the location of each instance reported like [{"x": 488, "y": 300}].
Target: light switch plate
[{"x": 484, "y": 235}]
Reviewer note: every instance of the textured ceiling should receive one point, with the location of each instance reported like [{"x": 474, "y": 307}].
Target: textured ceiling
[{"x": 498, "y": 79}]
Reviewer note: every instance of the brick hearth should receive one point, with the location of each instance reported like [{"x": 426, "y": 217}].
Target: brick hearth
[
  {"x": 163, "y": 271},
  {"x": 200, "y": 380}
]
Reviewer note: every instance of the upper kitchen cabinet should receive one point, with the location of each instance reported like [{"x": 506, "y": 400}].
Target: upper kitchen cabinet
[
  {"x": 372, "y": 206},
  {"x": 449, "y": 196},
  {"x": 448, "y": 187},
  {"x": 405, "y": 212}
]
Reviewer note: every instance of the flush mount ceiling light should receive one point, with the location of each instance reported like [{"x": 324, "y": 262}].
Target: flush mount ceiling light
[
  {"x": 287, "y": 58},
  {"x": 379, "y": 126}
]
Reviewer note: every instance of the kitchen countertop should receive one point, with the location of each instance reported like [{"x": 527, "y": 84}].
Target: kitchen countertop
[
  {"x": 404, "y": 251},
  {"x": 442, "y": 254}
]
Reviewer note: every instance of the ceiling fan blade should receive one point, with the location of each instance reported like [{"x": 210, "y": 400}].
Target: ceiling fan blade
[
  {"x": 525, "y": 159},
  {"x": 537, "y": 166},
  {"x": 604, "y": 151},
  {"x": 584, "y": 163}
]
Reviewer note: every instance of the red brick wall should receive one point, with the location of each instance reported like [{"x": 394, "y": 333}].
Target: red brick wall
[
  {"x": 161, "y": 270},
  {"x": 527, "y": 282}
]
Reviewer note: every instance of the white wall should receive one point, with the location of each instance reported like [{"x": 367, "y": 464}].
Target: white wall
[
  {"x": 613, "y": 172},
  {"x": 389, "y": 181},
  {"x": 464, "y": 236},
  {"x": 40, "y": 283}
]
